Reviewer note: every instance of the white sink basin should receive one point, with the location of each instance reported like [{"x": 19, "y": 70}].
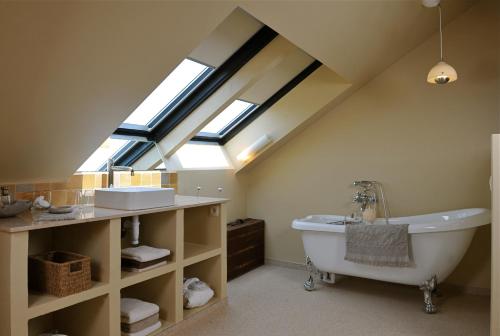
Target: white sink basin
[{"x": 134, "y": 198}]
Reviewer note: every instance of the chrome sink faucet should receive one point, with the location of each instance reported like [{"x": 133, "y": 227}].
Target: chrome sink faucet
[{"x": 111, "y": 168}]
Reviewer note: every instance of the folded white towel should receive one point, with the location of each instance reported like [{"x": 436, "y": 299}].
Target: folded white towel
[
  {"x": 139, "y": 270},
  {"x": 144, "y": 253},
  {"x": 133, "y": 310},
  {"x": 196, "y": 293},
  {"x": 145, "y": 331}
]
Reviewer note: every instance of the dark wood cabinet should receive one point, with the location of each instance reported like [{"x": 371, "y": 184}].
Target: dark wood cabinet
[{"x": 245, "y": 246}]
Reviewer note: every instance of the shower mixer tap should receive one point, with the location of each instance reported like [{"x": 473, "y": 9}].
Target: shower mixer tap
[
  {"x": 368, "y": 195},
  {"x": 363, "y": 198}
]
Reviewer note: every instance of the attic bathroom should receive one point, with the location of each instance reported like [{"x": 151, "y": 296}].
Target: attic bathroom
[{"x": 250, "y": 168}]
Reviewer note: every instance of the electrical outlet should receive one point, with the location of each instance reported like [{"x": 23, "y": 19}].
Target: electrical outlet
[{"x": 214, "y": 211}]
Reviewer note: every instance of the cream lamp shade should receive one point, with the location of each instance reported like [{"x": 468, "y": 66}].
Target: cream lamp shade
[{"x": 442, "y": 73}]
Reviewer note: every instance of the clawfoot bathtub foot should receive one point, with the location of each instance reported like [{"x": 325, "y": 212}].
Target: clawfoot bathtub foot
[
  {"x": 428, "y": 287},
  {"x": 309, "y": 283}
]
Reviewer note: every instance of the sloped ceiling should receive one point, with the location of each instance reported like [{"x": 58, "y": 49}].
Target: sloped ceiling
[
  {"x": 356, "y": 39},
  {"x": 72, "y": 72}
]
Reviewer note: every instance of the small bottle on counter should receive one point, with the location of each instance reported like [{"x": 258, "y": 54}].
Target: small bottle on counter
[{"x": 5, "y": 198}]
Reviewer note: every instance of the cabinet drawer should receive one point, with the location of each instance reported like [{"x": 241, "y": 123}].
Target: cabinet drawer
[{"x": 245, "y": 246}]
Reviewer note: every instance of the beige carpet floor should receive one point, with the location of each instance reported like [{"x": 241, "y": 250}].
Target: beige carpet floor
[{"x": 270, "y": 301}]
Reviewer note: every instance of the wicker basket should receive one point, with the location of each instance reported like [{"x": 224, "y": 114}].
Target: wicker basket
[{"x": 59, "y": 273}]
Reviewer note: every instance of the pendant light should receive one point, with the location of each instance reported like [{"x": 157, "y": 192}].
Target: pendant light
[{"x": 441, "y": 73}]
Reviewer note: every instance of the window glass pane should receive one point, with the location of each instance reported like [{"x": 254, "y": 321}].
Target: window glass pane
[
  {"x": 224, "y": 118},
  {"x": 108, "y": 149},
  {"x": 170, "y": 88}
]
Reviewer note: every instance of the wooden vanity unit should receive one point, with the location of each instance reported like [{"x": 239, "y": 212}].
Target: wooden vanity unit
[{"x": 194, "y": 230}]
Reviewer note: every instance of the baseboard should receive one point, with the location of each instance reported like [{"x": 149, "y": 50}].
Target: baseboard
[
  {"x": 447, "y": 286},
  {"x": 286, "y": 264},
  {"x": 466, "y": 289}
]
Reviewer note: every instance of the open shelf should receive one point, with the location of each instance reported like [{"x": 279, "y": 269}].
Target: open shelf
[
  {"x": 90, "y": 239},
  {"x": 156, "y": 230},
  {"x": 208, "y": 271},
  {"x": 194, "y": 253},
  {"x": 202, "y": 233},
  {"x": 159, "y": 290},
  {"x": 131, "y": 278},
  {"x": 191, "y": 312},
  {"x": 40, "y": 303},
  {"x": 83, "y": 319}
]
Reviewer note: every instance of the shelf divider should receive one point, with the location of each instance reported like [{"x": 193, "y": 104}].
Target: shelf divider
[
  {"x": 132, "y": 278},
  {"x": 41, "y": 304},
  {"x": 191, "y": 312},
  {"x": 196, "y": 252}
]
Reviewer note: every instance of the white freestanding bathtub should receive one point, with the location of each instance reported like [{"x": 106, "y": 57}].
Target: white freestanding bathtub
[{"x": 438, "y": 243}]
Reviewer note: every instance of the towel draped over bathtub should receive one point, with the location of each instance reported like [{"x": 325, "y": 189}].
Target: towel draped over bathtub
[{"x": 378, "y": 244}]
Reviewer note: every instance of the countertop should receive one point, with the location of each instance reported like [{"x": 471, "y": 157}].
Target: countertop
[{"x": 24, "y": 222}]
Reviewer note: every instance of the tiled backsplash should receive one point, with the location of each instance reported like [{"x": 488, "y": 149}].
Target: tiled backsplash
[{"x": 66, "y": 193}]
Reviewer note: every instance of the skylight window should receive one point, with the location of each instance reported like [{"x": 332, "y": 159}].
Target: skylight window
[
  {"x": 108, "y": 149},
  {"x": 178, "y": 83},
  {"x": 228, "y": 118}
]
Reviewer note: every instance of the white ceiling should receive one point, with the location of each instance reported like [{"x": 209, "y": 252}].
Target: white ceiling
[{"x": 73, "y": 71}]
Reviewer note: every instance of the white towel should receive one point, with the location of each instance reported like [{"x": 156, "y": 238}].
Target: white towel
[
  {"x": 139, "y": 270},
  {"x": 145, "y": 331},
  {"x": 144, "y": 253},
  {"x": 133, "y": 310},
  {"x": 196, "y": 293}
]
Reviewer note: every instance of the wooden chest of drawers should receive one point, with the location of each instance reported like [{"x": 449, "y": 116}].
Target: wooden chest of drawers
[{"x": 245, "y": 246}]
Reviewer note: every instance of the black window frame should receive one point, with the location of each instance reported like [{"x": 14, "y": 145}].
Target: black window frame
[
  {"x": 194, "y": 98},
  {"x": 243, "y": 121}
]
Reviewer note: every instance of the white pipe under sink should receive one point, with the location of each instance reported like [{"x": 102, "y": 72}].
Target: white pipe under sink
[{"x": 134, "y": 225}]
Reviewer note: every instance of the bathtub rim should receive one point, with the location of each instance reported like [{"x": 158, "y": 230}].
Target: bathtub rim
[{"x": 478, "y": 217}]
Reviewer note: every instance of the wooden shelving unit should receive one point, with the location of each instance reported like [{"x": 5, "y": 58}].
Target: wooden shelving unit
[
  {"x": 40, "y": 304},
  {"x": 195, "y": 234}
]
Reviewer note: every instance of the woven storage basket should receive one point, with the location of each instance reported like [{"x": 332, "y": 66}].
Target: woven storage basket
[{"x": 59, "y": 273}]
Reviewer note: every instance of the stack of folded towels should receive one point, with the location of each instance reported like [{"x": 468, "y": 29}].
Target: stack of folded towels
[
  {"x": 138, "y": 318},
  {"x": 143, "y": 258}
]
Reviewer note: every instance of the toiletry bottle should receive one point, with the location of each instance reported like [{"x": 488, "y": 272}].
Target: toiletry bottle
[
  {"x": 5, "y": 196},
  {"x": 369, "y": 215}
]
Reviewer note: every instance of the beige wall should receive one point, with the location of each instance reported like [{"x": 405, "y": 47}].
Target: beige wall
[
  {"x": 429, "y": 145},
  {"x": 210, "y": 180}
]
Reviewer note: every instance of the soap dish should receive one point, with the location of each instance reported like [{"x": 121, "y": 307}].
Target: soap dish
[
  {"x": 14, "y": 209},
  {"x": 61, "y": 210}
]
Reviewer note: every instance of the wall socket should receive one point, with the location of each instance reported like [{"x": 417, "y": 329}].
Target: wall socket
[{"x": 214, "y": 211}]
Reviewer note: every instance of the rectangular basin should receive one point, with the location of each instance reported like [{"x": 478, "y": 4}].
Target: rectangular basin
[{"x": 134, "y": 198}]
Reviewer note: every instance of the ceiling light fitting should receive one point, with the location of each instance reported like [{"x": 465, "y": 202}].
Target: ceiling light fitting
[{"x": 442, "y": 72}]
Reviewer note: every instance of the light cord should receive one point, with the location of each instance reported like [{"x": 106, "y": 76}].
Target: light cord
[{"x": 440, "y": 32}]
